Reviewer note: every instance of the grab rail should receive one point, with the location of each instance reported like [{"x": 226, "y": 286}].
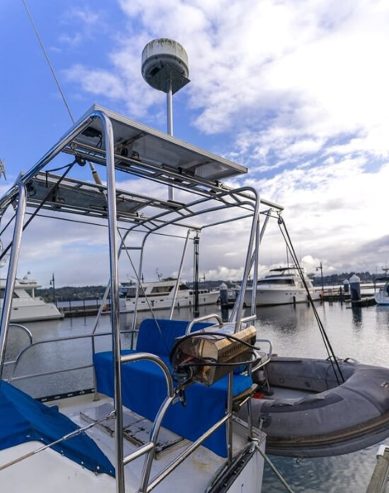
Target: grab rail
[
  {"x": 29, "y": 335},
  {"x": 149, "y": 448},
  {"x": 202, "y": 319},
  {"x": 27, "y": 331},
  {"x": 16, "y": 362},
  {"x": 269, "y": 354},
  {"x": 129, "y": 358}
]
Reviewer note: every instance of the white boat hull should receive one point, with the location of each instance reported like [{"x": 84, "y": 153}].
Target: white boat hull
[
  {"x": 35, "y": 313},
  {"x": 156, "y": 303},
  {"x": 274, "y": 296}
]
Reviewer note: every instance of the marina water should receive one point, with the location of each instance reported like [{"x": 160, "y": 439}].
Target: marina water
[{"x": 359, "y": 333}]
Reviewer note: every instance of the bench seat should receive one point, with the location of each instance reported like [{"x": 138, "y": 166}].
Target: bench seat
[{"x": 144, "y": 386}]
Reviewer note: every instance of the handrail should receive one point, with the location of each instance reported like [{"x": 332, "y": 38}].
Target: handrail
[
  {"x": 129, "y": 358},
  {"x": 27, "y": 331},
  {"x": 149, "y": 448},
  {"x": 268, "y": 342},
  {"x": 30, "y": 339},
  {"x": 262, "y": 362},
  {"x": 202, "y": 319},
  {"x": 51, "y": 341},
  {"x": 249, "y": 318}
]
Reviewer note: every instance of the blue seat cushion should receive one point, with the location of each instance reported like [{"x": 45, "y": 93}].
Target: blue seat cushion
[
  {"x": 144, "y": 386},
  {"x": 159, "y": 336},
  {"x": 144, "y": 390}
]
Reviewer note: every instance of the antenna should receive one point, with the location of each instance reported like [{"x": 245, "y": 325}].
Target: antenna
[{"x": 165, "y": 68}]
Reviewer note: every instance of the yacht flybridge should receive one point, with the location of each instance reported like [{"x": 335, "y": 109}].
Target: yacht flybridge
[{"x": 168, "y": 389}]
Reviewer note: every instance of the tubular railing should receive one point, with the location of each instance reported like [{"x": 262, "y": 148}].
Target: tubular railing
[
  {"x": 32, "y": 345},
  {"x": 148, "y": 449},
  {"x": 203, "y": 319}
]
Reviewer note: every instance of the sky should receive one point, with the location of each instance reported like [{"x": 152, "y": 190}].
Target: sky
[{"x": 296, "y": 90}]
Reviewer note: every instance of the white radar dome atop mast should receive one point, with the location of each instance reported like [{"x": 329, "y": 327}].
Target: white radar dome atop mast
[
  {"x": 165, "y": 68},
  {"x": 165, "y": 65}
]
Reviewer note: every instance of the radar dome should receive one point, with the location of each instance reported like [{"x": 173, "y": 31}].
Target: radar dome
[{"x": 165, "y": 65}]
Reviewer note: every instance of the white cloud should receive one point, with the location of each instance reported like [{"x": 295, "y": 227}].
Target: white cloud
[
  {"x": 287, "y": 82},
  {"x": 291, "y": 75},
  {"x": 81, "y": 23}
]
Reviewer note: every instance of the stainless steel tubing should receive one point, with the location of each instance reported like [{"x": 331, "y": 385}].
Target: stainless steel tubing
[
  {"x": 114, "y": 285},
  {"x": 173, "y": 465},
  {"x": 202, "y": 319},
  {"x": 11, "y": 275},
  {"x": 179, "y": 275},
  {"x": 129, "y": 358},
  {"x": 140, "y": 451},
  {"x": 153, "y": 439}
]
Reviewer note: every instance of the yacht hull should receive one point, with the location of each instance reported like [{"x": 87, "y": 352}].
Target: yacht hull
[
  {"x": 144, "y": 304},
  {"x": 268, "y": 297},
  {"x": 35, "y": 313}
]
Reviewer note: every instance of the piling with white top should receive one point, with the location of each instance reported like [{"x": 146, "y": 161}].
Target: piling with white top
[
  {"x": 355, "y": 288},
  {"x": 346, "y": 286}
]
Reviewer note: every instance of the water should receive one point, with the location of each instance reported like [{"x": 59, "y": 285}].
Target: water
[{"x": 360, "y": 333}]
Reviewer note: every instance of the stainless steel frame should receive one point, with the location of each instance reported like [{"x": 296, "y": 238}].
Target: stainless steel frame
[{"x": 180, "y": 173}]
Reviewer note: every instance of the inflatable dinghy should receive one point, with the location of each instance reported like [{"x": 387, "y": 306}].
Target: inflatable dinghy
[{"x": 308, "y": 414}]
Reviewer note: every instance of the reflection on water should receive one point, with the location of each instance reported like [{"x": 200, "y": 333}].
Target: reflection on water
[
  {"x": 357, "y": 316},
  {"x": 361, "y": 333}
]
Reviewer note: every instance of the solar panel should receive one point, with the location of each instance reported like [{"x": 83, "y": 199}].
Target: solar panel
[
  {"x": 143, "y": 144},
  {"x": 83, "y": 198}
]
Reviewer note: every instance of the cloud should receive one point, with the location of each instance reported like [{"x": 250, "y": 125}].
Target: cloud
[
  {"x": 81, "y": 23},
  {"x": 297, "y": 91},
  {"x": 286, "y": 79}
]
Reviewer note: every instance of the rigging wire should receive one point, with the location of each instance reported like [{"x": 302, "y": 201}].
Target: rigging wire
[
  {"x": 331, "y": 354},
  {"x": 44, "y": 51},
  {"x": 95, "y": 174}
]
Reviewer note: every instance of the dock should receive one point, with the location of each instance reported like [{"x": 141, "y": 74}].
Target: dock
[
  {"x": 81, "y": 308},
  {"x": 337, "y": 294}
]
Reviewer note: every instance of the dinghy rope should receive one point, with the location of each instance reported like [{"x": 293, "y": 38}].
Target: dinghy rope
[
  {"x": 330, "y": 351},
  {"x": 70, "y": 435}
]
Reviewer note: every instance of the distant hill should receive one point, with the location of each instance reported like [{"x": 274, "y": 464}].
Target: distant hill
[{"x": 72, "y": 293}]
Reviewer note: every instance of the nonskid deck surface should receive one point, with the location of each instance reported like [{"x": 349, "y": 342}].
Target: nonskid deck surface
[{"x": 201, "y": 466}]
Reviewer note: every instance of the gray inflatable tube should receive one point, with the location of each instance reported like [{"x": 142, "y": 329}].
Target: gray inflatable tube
[{"x": 327, "y": 419}]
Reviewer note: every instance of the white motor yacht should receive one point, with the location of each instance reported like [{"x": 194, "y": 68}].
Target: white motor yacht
[
  {"x": 26, "y": 306},
  {"x": 282, "y": 286},
  {"x": 162, "y": 294}
]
